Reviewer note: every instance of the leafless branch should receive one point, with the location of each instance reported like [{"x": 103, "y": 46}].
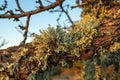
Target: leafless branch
[
  {"x": 19, "y": 30},
  {"x": 10, "y": 14},
  {"x": 59, "y": 18},
  {"x": 3, "y": 43},
  {"x": 48, "y": 1},
  {"x": 28, "y": 35},
  {"x": 57, "y": 10},
  {"x": 19, "y": 7},
  {"x": 40, "y": 2},
  {"x": 4, "y": 6},
  {"x": 32, "y": 12},
  {"x": 66, "y": 12},
  {"x": 26, "y": 28},
  {"x": 62, "y": 10}
]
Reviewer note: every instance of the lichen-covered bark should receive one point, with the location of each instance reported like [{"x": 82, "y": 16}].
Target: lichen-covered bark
[{"x": 88, "y": 51}]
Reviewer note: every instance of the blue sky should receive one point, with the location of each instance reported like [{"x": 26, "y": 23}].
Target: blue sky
[{"x": 37, "y": 22}]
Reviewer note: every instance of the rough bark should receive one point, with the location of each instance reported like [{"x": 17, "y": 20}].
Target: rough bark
[{"x": 108, "y": 32}]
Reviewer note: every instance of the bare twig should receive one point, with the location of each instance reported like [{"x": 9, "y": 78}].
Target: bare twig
[
  {"x": 4, "y": 6},
  {"x": 32, "y": 12},
  {"x": 66, "y": 12},
  {"x": 19, "y": 7},
  {"x": 10, "y": 14},
  {"x": 3, "y": 43},
  {"x": 62, "y": 10},
  {"x": 59, "y": 18},
  {"x": 26, "y": 29},
  {"x": 49, "y": 1},
  {"x": 19, "y": 30},
  {"x": 28, "y": 35},
  {"x": 57, "y": 10},
  {"x": 40, "y": 2}
]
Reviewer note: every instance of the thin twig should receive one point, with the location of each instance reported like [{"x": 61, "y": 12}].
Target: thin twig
[
  {"x": 49, "y": 1},
  {"x": 40, "y": 2},
  {"x": 66, "y": 14},
  {"x": 26, "y": 29},
  {"x": 19, "y": 30},
  {"x": 19, "y": 7},
  {"x": 3, "y": 43},
  {"x": 57, "y": 10},
  {"x": 59, "y": 18},
  {"x": 32, "y": 12},
  {"x": 4, "y": 6}
]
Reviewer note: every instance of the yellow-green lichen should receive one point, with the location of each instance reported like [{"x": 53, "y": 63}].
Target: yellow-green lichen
[
  {"x": 114, "y": 47},
  {"x": 87, "y": 28},
  {"x": 97, "y": 72}
]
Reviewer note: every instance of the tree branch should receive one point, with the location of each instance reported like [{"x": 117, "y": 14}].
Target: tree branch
[
  {"x": 3, "y": 43},
  {"x": 40, "y": 2},
  {"x": 10, "y": 14},
  {"x": 26, "y": 29},
  {"x": 48, "y": 1},
  {"x": 32, "y": 12},
  {"x": 19, "y": 7},
  {"x": 63, "y": 10},
  {"x": 4, "y": 6}
]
